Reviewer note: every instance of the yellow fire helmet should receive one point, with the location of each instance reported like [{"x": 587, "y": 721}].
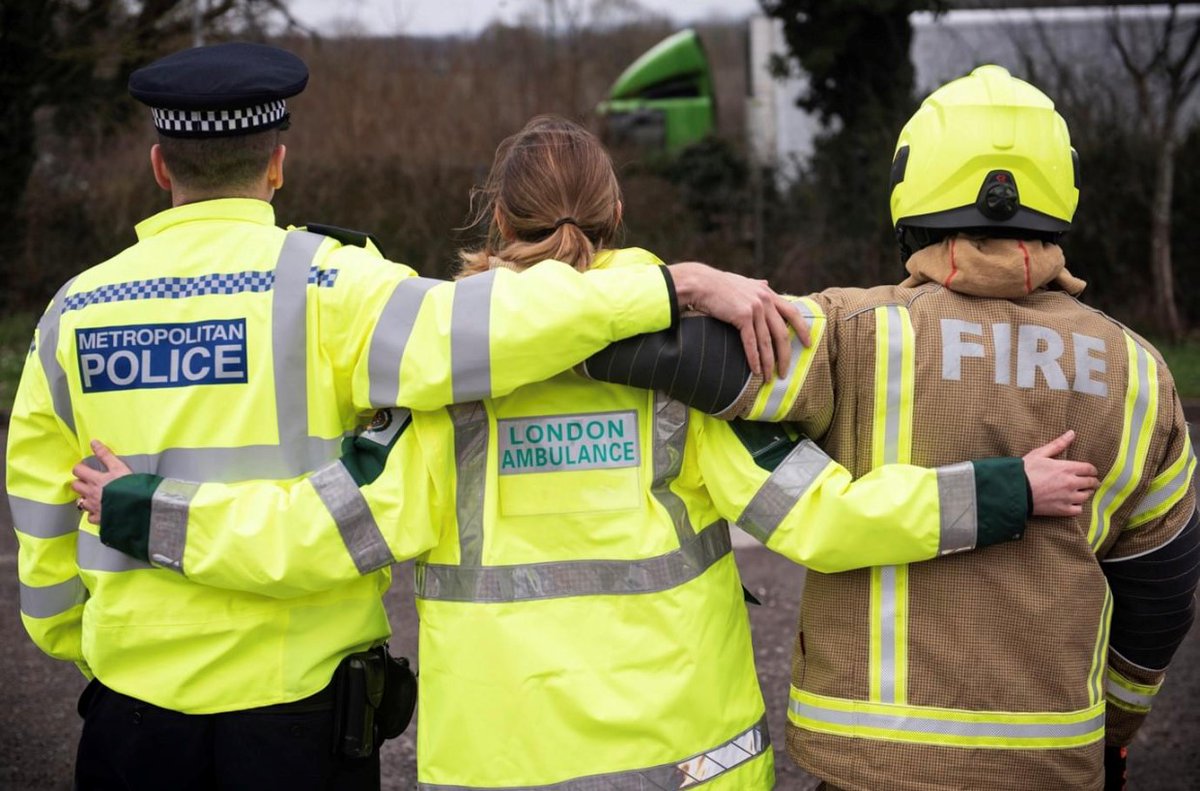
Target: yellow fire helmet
[{"x": 988, "y": 153}]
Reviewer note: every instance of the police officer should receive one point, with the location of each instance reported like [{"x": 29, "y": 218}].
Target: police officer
[
  {"x": 222, "y": 347},
  {"x": 582, "y": 622}
]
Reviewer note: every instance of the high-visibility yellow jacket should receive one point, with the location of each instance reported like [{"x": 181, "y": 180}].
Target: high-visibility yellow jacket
[
  {"x": 1008, "y": 668},
  {"x": 581, "y": 613},
  {"x": 221, "y": 347}
]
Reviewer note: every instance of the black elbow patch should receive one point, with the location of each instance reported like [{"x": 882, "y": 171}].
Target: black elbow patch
[{"x": 1154, "y": 599}]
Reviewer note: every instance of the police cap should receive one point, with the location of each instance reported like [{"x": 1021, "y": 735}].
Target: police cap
[{"x": 220, "y": 90}]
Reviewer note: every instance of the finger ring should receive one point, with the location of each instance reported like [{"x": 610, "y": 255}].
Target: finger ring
[{"x": 79, "y": 504}]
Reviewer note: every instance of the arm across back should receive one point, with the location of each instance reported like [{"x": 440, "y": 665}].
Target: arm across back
[
  {"x": 786, "y": 492},
  {"x": 402, "y": 340},
  {"x": 701, "y": 363},
  {"x": 374, "y": 506}
]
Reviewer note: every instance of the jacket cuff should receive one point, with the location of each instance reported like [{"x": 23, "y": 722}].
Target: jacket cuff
[
  {"x": 1002, "y": 500},
  {"x": 672, "y": 296},
  {"x": 125, "y": 514}
]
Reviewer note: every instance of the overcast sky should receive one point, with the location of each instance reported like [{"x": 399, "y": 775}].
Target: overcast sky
[{"x": 464, "y": 17}]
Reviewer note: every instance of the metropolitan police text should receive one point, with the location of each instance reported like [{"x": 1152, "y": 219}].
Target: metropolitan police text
[{"x": 162, "y": 355}]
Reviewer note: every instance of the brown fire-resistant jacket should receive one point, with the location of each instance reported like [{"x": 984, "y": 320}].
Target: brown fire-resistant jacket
[{"x": 991, "y": 669}]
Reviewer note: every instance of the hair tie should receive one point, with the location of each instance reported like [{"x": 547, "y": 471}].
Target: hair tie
[{"x": 564, "y": 221}]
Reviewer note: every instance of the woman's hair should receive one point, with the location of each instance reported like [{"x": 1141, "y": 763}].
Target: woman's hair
[{"x": 553, "y": 187}]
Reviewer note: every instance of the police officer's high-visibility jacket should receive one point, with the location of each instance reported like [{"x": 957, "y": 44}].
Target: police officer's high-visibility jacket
[
  {"x": 221, "y": 347},
  {"x": 582, "y": 620},
  {"x": 1000, "y": 669}
]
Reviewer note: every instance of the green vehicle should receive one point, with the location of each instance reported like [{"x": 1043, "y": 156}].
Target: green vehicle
[{"x": 665, "y": 98}]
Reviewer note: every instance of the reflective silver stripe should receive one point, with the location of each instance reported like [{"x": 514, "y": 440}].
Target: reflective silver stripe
[
  {"x": 91, "y": 555},
  {"x": 40, "y": 520},
  {"x": 1181, "y": 480},
  {"x": 470, "y": 337},
  {"x": 1137, "y": 420},
  {"x": 785, "y": 487},
  {"x": 905, "y": 723},
  {"x": 891, "y": 454},
  {"x": 47, "y": 350},
  {"x": 168, "y": 522},
  {"x": 353, "y": 517},
  {"x": 670, "y": 437},
  {"x": 688, "y": 773},
  {"x": 225, "y": 465},
  {"x": 895, "y": 384},
  {"x": 390, "y": 339},
  {"x": 887, "y": 646},
  {"x": 562, "y": 579},
  {"x": 51, "y": 600},
  {"x": 1139, "y": 699},
  {"x": 471, "y": 457},
  {"x": 289, "y": 354},
  {"x": 781, "y": 384},
  {"x": 956, "y": 500}
]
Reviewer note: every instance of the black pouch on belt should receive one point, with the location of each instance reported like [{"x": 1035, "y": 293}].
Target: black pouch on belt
[
  {"x": 399, "y": 697},
  {"x": 357, "y": 694},
  {"x": 374, "y": 697}
]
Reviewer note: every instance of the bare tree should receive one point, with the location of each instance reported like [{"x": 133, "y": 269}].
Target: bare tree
[{"x": 1164, "y": 76}]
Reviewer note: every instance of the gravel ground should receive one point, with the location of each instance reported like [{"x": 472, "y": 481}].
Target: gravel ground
[{"x": 39, "y": 727}]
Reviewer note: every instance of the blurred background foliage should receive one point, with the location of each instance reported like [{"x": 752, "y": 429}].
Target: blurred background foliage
[{"x": 393, "y": 132}]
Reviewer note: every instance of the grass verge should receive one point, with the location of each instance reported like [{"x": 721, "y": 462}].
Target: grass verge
[{"x": 1184, "y": 361}]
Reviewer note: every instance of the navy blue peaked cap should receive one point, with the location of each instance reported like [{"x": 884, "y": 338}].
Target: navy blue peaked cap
[{"x": 221, "y": 90}]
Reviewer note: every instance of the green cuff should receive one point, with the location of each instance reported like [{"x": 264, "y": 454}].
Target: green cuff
[
  {"x": 1001, "y": 500},
  {"x": 125, "y": 514}
]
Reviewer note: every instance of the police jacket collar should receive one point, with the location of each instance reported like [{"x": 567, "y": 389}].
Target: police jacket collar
[{"x": 222, "y": 209}]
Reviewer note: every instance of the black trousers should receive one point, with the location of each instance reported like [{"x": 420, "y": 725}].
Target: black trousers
[{"x": 130, "y": 744}]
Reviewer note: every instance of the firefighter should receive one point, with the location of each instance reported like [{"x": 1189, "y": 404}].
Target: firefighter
[
  {"x": 1029, "y": 666},
  {"x": 222, "y": 347},
  {"x": 582, "y": 621}
]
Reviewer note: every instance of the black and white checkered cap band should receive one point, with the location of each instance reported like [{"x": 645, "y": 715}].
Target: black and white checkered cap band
[{"x": 220, "y": 121}]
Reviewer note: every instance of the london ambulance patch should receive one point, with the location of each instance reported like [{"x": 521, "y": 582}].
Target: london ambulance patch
[{"x": 563, "y": 443}]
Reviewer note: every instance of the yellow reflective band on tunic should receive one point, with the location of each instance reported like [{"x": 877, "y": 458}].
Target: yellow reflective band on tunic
[
  {"x": 225, "y": 465},
  {"x": 50, "y": 600},
  {"x": 946, "y": 727},
  {"x": 470, "y": 461},
  {"x": 785, "y": 486},
  {"x": 1129, "y": 695},
  {"x": 47, "y": 351},
  {"x": 470, "y": 337},
  {"x": 567, "y": 578},
  {"x": 1167, "y": 489},
  {"x": 42, "y": 520},
  {"x": 670, "y": 436},
  {"x": 687, "y": 773},
  {"x": 777, "y": 395},
  {"x": 168, "y": 522},
  {"x": 1141, "y": 409},
  {"x": 91, "y": 555},
  {"x": 1100, "y": 651},
  {"x": 390, "y": 339},
  {"x": 355, "y": 523},
  {"x": 959, "y": 512},
  {"x": 891, "y": 443}
]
